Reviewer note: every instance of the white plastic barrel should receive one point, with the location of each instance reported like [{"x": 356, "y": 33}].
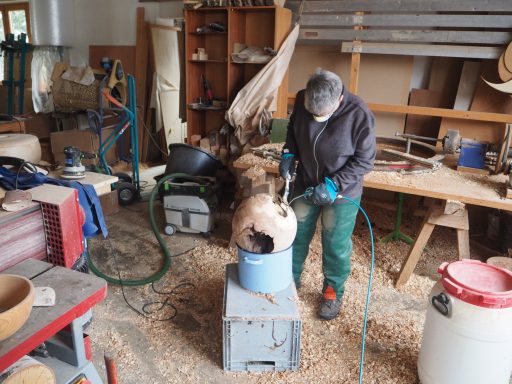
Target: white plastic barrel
[{"x": 467, "y": 337}]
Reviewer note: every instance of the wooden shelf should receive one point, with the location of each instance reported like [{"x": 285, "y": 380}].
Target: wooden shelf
[
  {"x": 252, "y": 8},
  {"x": 261, "y": 26},
  {"x": 248, "y": 63},
  {"x": 208, "y": 33},
  {"x": 206, "y": 109},
  {"x": 208, "y": 61}
]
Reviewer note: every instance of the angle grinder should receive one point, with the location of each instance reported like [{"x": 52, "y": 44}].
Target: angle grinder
[{"x": 73, "y": 168}]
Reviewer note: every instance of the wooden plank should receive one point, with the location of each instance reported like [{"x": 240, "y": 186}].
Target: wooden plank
[
  {"x": 445, "y": 184},
  {"x": 404, "y": 6},
  {"x": 407, "y": 20},
  {"x": 125, "y": 53},
  {"x": 425, "y": 36},
  {"x": 467, "y": 84},
  {"x": 29, "y": 268},
  {"x": 441, "y": 112},
  {"x": 485, "y": 191},
  {"x": 141, "y": 63},
  {"x": 438, "y": 217},
  {"x": 463, "y": 244},
  {"x": 355, "y": 64},
  {"x": 427, "y": 126},
  {"x": 475, "y": 52},
  {"x": 102, "y": 183},
  {"x": 415, "y": 253}
]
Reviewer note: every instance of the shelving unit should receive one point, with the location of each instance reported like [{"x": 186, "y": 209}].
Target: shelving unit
[{"x": 265, "y": 26}]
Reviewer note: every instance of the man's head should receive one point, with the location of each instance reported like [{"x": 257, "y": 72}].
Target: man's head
[{"x": 323, "y": 94}]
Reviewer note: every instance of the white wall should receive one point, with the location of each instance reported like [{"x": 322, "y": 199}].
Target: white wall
[{"x": 112, "y": 22}]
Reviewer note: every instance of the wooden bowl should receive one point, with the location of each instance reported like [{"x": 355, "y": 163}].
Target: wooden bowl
[{"x": 16, "y": 299}]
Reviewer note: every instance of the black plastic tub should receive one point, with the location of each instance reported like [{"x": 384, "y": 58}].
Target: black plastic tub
[{"x": 184, "y": 158}]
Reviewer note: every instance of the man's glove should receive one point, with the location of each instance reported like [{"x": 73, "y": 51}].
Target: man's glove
[
  {"x": 324, "y": 193},
  {"x": 287, "y": 165}
]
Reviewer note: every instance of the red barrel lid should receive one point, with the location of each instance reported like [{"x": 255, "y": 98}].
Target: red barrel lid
[{"x": 478, "y": 283}]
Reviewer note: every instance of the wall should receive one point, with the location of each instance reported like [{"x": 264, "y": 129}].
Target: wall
[
  {"x": 112, "y": 22},
  {"x": 382, "y": 78}
]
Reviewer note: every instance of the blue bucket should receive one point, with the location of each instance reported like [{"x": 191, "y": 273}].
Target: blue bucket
[{"x": 265, "y": 273}]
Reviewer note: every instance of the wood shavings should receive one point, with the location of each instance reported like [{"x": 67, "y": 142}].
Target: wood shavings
[
  {"x": 189, "y": 348},
  {"x": 277, "y": 147},
  {"x": 251, "y": 159},
  {"x": 268, "y": 296},
  {"x": 254, "y": 172}
]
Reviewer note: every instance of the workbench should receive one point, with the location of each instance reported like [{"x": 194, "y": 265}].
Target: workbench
[
  {"x": 76, "y": 293},
  {"x": 445, "y": 184},
  {"x": 102, "y": 183}
]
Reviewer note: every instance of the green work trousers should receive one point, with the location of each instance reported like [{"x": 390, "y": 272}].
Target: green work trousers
[{"x": 338, "y": 223}]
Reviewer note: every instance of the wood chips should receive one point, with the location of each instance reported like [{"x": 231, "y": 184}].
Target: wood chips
[{"x": 189, "y": 348}]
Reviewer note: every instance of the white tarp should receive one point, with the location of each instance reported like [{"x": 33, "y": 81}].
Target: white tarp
[{"x": 260, "y": 93}]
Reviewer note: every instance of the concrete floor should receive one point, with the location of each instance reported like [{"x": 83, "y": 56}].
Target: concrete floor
[{"x": 188, "y": 348}]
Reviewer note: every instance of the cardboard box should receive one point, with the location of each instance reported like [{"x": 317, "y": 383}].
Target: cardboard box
[
  {"x": 86, "y": 140},
  {"x": 46, "y": 151},
  {"x": 40, "y": 125}
]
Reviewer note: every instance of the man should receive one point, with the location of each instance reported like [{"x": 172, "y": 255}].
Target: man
[{"x": 331, "y": 135}]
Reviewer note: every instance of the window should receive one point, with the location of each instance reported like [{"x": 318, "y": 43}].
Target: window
[{"x": 14, "y": 18}]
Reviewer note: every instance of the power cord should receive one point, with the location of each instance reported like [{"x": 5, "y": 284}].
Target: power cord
[
  {"x": 146, "y": 310},
  {"x": 29, "y": 168}
]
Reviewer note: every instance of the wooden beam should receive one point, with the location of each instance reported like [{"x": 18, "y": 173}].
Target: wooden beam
[
  {"x": 141, "y": 64},
  {"x": 354, "y": 72},
  {"x": 355, "y": 63},
  {"x": 407, "y": 20},
  {"x": 441, "y": 112},
  {"x": 413, "y": 36},
  {"x": 415, "y": 253},
  {"x": 427, "y": 111},
  {"x": 466, "y": 51},
  {"x": 344, "y": 6}
]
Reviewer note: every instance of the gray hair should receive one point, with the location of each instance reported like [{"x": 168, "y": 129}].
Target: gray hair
[{"x": 323, "y": 92}]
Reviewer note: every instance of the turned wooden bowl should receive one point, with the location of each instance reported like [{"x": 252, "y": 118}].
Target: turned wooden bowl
[{"x": 16, "y": 299}]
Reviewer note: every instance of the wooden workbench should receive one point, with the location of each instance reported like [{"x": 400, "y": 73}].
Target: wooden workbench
[
  {"x": 76, "y": 293},
  {"x": 443, "y": 184}
]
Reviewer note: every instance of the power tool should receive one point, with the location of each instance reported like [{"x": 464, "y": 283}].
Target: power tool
[{"x": 73, "y": 168}]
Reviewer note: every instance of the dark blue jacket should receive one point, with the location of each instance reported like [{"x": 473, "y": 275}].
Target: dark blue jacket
[{"x": 342, "y": 148}]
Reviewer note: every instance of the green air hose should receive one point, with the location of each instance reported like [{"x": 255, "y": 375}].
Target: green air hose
[{"x": 167, "y": 254}]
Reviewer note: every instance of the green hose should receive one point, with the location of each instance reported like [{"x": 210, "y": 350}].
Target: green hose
[{"x": 167, "y": 254}]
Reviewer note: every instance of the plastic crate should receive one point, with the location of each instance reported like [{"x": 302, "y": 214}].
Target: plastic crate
[{"x": 259, "y": 335}]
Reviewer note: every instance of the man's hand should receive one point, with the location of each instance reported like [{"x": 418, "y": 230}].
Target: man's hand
[
  {"x": 324, "y": 193},
  {"x": 287, "y": 165}
]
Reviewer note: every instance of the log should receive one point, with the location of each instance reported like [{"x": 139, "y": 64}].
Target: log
[{"x": 28, "y": 370}]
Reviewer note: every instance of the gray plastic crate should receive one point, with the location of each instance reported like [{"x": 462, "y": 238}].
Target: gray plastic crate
[{"x": 259, "y": 335}]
